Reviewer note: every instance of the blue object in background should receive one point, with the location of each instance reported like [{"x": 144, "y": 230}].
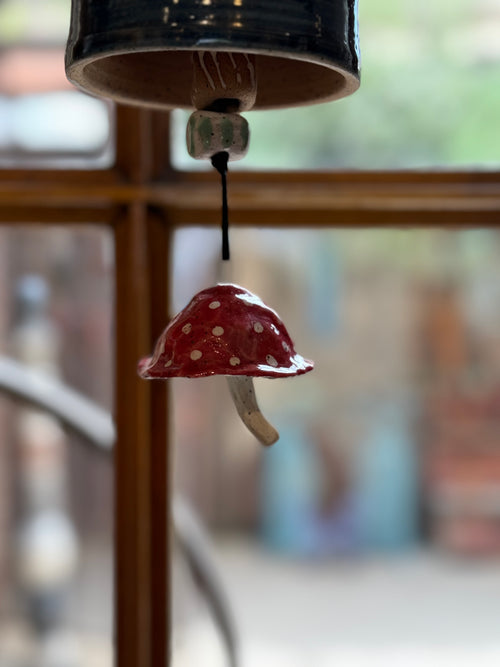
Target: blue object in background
[
  {"x": 293, "y": 520},
  {"x": 289, "y": 488},
  {"x": 387, "y": 483}
]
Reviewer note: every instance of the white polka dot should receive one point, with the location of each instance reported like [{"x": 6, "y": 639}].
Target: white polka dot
[
  {"x": 286, "y": 347},
  {"x": 214, "y": 304},
  {"x": 234, "y": 361},
  {"x": 217, "y": 331},
  {"x": 258, "y": 328},
  {"x": 196, "y": 354},
  {"x": 271, "y": 360},
  {"x": 187, "y": 328},
  {"x": 168, "y": 363}
]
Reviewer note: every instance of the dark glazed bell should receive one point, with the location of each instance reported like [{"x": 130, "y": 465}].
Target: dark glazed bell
[{"x": 139, "y": 51}]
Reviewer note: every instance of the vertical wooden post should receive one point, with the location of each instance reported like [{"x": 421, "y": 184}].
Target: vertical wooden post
[
  {"x": 161, "y": 492},
  {"x": 133, "y": 527},
  {"x": 142, "y": 478},
  {"x": 142, "y": 496}
]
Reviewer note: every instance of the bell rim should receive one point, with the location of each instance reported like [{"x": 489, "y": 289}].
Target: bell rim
[{"x": 76, "y": 72}]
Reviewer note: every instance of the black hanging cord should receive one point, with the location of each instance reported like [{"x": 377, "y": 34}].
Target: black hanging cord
[{"x": 219, "y": 161}]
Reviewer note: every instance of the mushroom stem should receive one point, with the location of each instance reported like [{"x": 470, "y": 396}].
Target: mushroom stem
[{"x": 243, "y": 395}]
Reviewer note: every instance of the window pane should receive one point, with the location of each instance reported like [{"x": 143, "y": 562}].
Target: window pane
[
  {"x": 44, "y": 121},
  {"x": 63, "y": 128},
  {"x": 429, "y": 97},
  {"x": 56, "y": 484},
  {"x": 384, "y": 483}
]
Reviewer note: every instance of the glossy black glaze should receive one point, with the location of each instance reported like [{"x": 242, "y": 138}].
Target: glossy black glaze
[{"x": 139, "y": 50}]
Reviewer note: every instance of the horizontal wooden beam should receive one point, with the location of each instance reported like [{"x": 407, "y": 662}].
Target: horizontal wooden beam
[
  {"x": 272, "y": 200},
  {"x": 51, "y": 214},
  {"x": 61, "y": 176}
]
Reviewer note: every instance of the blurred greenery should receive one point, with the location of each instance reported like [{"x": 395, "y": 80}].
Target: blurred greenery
[
  {"x": 34, "y": 21},
  {"x": 396, "y": 120},
  {"x": 429, "y": 96}
]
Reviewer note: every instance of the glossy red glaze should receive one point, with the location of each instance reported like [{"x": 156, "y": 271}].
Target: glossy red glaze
[{"x": 224, "y": 330}]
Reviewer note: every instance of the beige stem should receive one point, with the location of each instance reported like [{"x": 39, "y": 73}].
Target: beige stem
[{"x": 243, "y": 395}]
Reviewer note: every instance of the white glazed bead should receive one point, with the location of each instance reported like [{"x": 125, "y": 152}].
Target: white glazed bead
[
  {"x": 223, "y": 81},
  {"x": 210, "y": 132}
]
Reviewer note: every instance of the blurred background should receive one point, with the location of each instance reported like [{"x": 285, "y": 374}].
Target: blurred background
[{"x": 370, "y": 533}]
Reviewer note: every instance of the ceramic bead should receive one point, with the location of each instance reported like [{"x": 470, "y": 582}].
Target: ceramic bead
[
  {"x": 209, "y": 132},
  {"x": 223, "y": 81}
]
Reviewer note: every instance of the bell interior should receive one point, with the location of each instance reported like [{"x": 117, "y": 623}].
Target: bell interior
[{"x": 164, "y": 79}]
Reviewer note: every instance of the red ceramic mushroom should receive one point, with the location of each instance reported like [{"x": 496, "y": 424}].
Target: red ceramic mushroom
[{"x": 227, "y": 330}]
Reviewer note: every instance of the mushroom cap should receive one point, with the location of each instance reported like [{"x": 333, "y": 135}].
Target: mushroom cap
[{"x": 224, "y": 330}]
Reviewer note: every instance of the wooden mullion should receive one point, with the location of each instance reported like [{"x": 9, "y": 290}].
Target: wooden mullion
[
  {"x": 142, "y": 470},
  {"x": 339, "y": 218},
  {"x": 83, "y": 195},
  {"x": 161, "y": 168},
  {"x": 142, "y": 478},
  {"x": 143, "y": 144},
  {"x": 283, "y": 204},
  {"x": 59, "y": 176},
  {"x": 56, "y": 215},
  {"x": 336, "y": 199},
  {"x": 386, "y": 178},
  {"x": 281, "y": 199},
  {"x": 133, "y": 586},
  {"x": 159, "y": 241}
]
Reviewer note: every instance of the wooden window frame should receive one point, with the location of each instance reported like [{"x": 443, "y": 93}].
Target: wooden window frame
[{"x": 143, "y": 200}]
